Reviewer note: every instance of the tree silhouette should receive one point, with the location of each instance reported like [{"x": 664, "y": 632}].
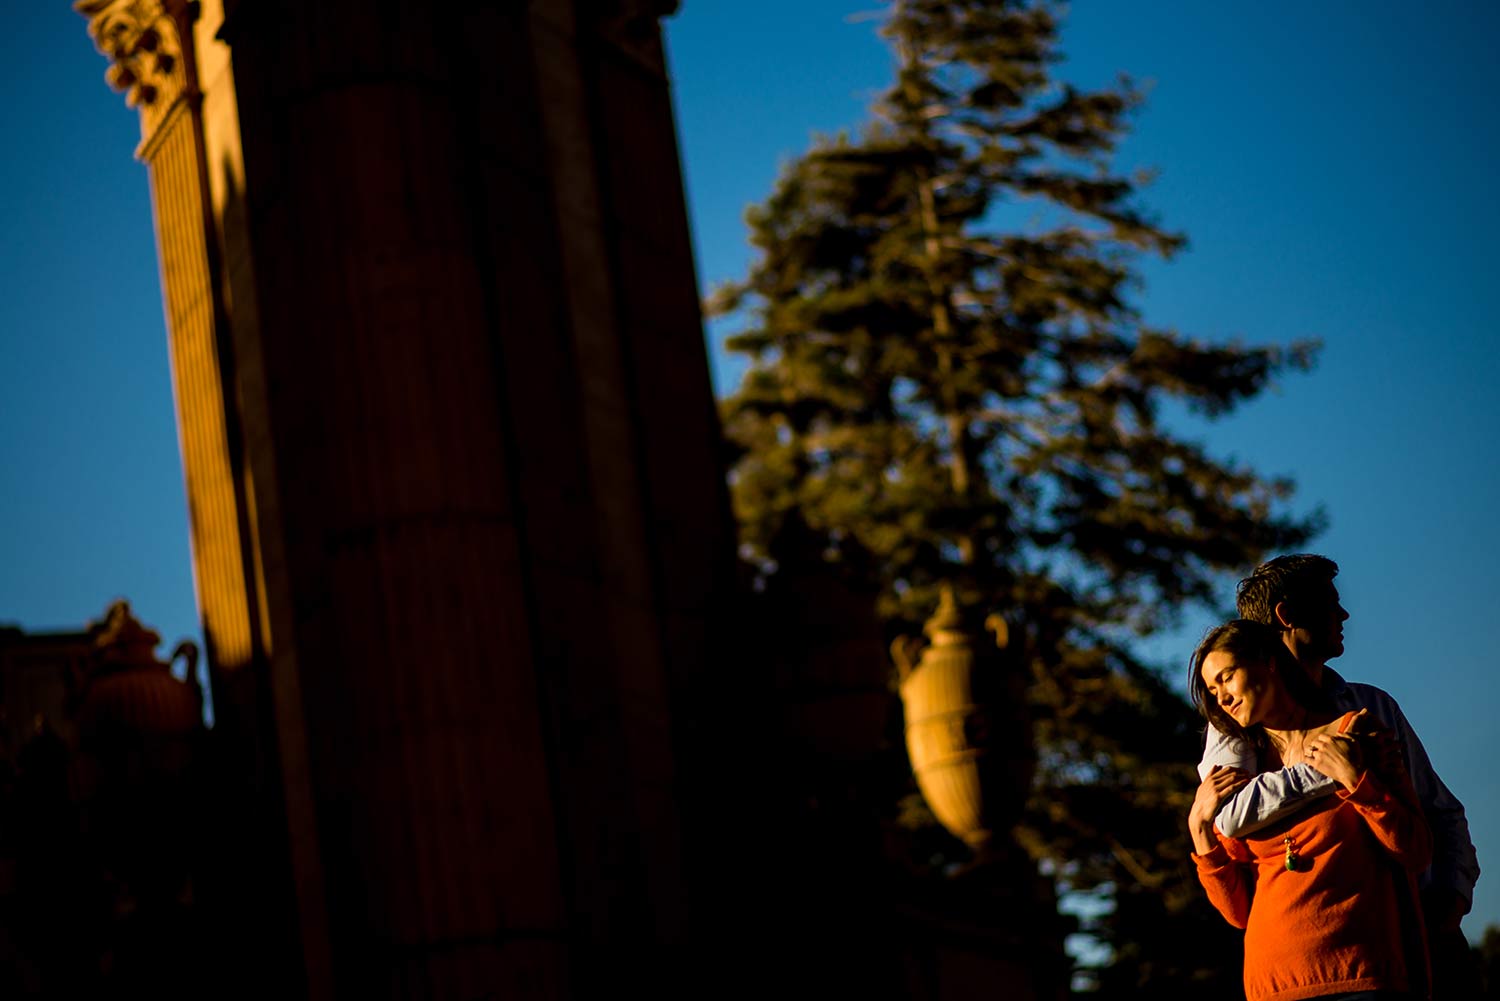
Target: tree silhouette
[{"x": 948, "y": 382}]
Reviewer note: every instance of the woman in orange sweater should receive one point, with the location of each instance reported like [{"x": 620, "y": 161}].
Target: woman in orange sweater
[{"x": 1328, "y": 896}]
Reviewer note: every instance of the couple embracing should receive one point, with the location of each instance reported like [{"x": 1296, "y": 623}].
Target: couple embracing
[{"x": 1320, "y": 826}]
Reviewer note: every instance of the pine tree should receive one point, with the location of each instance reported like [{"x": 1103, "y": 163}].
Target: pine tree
[{"x": 948, "y": 382}]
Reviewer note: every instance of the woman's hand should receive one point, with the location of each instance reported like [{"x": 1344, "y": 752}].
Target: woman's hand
[
  {"x": 1212, "y": 792},
  {"x": 1338, "y": 756}
]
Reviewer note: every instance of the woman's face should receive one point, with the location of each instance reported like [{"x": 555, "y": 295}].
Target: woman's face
[{"x": 1245, "y": 690}]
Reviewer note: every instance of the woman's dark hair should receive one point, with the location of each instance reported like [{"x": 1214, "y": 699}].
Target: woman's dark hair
[{"x": 1252, "y": 643}]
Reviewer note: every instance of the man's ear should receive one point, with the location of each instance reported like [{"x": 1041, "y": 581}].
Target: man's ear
[{"x": 1283, "y": 614}]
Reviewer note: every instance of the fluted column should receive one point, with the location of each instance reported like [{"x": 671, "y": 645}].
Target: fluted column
[
  {"x": 152, "y": 62},
  {"x": 265, "y": 887}
]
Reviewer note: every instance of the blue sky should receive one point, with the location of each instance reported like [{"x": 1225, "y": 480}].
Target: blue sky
[{"x": 1330, "y": 162}]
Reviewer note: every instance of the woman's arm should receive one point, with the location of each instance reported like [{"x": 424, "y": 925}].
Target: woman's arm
[
  {"x": 1218, "y": 785},
  {"x": 1393, "y": 816},
  {"x": 1227, "y": 883},
  {"x": 1224, "y": 880}
]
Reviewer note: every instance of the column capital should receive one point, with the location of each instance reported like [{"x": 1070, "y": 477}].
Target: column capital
[
  {"x": 631, "y": 26},
  {"x": 142, "y": 41}
]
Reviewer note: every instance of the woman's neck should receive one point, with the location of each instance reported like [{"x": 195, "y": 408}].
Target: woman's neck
[{"x": 1294, "y": 722}]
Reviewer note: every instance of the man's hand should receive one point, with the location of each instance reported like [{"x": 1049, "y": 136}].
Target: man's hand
[{"x": 1212, "y": 792}]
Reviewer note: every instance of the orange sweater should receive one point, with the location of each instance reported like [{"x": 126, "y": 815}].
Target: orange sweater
[{"x": 1347, "y": 918}]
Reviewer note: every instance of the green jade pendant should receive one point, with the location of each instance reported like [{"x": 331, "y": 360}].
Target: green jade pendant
[{"x": 1293, "y": 860}]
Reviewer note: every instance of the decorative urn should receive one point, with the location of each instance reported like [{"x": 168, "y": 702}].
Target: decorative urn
[
  {"x": 128, "y": 691},
  {"x": 967, "y": 732}
]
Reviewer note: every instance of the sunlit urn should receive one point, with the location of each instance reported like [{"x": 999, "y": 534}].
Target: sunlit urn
[{"x": 966, "y": 725}]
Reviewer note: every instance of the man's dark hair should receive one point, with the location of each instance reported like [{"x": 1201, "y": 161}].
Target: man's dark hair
[{"x": 1293, "y": 579}]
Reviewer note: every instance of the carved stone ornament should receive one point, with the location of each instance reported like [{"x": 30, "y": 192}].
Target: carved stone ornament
[
  {"x": 140, "y": 38},
  {"x": 631, "y": 25},
  {"x": 120, "y": 638}
]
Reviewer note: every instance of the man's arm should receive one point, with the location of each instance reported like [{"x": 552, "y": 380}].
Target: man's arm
[
  {"x": 1455, "y": 867},
  {"x": 1268, "y": 796}
]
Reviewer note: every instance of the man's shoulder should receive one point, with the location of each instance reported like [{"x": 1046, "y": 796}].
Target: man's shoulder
[
  {"x": 1369, "y": 694},
  {"x": 1381, "y": 703}
]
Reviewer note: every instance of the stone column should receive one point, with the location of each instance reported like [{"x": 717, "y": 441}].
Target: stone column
[
  {"x": 468, "y": 444},
  {"x": 153, "y": 63},
  {"x": 263, "y": 894}
]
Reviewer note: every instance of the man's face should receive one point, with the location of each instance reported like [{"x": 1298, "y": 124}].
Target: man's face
[{"x": 1317, "y": 632}]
